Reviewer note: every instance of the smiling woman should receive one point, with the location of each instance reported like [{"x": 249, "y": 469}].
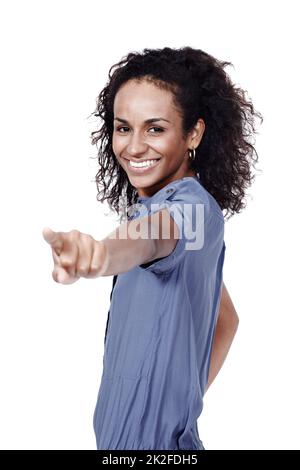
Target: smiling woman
[
  {"x": 151, "y": 159},
  {"x": 183, "y": 87},
  {"x": 173, "y": 141}
]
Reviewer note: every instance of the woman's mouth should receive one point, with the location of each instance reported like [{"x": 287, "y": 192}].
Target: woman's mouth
[{"x": 141, "y": 167}]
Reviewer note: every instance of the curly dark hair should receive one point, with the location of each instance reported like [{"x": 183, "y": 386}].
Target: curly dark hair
[{"x": 201, "y": 89}]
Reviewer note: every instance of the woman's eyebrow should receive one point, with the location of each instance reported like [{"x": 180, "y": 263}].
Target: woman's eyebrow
[{"x": 147, "y": 121}]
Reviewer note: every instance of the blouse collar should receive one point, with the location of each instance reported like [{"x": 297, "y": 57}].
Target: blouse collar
[{"x": 145, "y": 199}]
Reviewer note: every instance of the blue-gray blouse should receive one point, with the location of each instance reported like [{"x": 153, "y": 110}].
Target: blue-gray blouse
[{"x": 161, "y": 326}]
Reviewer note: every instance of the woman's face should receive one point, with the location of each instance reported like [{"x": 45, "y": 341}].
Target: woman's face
[{"x": 159, "y": 143}]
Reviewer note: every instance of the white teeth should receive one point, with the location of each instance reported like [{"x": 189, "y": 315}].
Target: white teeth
[{"x": 142, "y": 164}]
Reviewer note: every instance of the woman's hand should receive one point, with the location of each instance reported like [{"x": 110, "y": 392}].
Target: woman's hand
[{"x": 75, "y": 255}]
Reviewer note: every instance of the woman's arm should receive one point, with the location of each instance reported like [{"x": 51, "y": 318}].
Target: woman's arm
[
  {"x": 139, "y": 241},
  {"x": 133, "y": 243},
  {"x": 227, "y": 325}
]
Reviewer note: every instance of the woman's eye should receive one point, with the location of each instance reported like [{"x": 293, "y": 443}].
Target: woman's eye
[
  {"x": 158, "y": 128},
  {"x": 124, "y": 127}
]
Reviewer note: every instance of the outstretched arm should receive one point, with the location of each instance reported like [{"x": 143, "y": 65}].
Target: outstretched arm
[
  {"x": 226, "y": 328},
  {"x": 134, "y": 242}
]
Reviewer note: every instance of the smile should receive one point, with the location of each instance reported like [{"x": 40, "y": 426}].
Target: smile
[{"x": 142, "y": 167}]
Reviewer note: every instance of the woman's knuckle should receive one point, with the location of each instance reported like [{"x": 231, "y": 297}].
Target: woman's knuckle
[
  {"x": 86, "y": 237},
  {"x": 82, "y": 269},
  {"x": 95, "y": 268},
  {"x": 66, "y": 261},
  {"x": 74, "y": 233}
]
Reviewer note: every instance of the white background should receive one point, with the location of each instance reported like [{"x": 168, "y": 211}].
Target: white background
[{"x": 55, "y": 57}]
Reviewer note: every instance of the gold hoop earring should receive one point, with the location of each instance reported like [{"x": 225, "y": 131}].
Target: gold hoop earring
[{"x": 192, "y": 154}]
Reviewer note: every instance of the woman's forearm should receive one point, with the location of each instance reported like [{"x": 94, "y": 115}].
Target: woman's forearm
[
  {"x": 138, "y": 241},
  {"x": 226, "y": 329},
  {"x": 124, "y": 248},
  {"x": 223, "y": 339}
]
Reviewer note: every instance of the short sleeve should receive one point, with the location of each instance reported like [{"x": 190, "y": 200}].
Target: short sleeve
[{"x": 190, "y": 212}]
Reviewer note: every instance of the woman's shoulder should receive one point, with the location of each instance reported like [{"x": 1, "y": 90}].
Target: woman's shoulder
[
  {"x": 186, "y": 190},
  {"x": 191, "y": 190}
]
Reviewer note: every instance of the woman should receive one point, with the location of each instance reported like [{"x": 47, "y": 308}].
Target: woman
[{"x": 174, "y": 146}]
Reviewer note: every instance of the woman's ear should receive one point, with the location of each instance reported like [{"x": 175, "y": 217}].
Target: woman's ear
[{"x": 196, "y": 134}]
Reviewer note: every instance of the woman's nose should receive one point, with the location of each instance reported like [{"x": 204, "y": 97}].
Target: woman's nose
[{"x": 136, "y": 145}]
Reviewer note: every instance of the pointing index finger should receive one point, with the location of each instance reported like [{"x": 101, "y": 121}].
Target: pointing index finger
[{"x": 53, "y": 238}]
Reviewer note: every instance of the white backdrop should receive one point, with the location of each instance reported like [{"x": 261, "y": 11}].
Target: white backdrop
[{"x": 55, "y": 57}]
